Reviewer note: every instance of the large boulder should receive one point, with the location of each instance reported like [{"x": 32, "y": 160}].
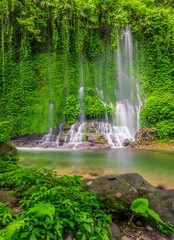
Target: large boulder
[
  {"x": 8, "y": 151},
  {"x": 145, "y": 136},
  {"x": 118, "y": 192}
]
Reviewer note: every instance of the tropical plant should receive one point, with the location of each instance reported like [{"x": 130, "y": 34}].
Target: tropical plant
[
  {"x": 140, "y": 206},
  {"x": 52, "y": 207}
]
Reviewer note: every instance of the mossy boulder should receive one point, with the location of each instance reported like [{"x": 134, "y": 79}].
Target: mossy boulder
[
  {"x": 8, "y": 151},
  {"x": 145, "y": 136},
  {"x": 118, "y": 192}
]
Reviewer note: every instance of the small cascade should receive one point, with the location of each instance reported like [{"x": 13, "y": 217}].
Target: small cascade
[
  {"x": 78, "y": 136},
  {"x": 114, "y": 135},
  {"x": 139, "y": 106},
  {"x": 61, "y": 128},
  {"x": 100, "y": 93},
  {"x": 74, "y": 136},
  {"x": 48, "y": 138}
]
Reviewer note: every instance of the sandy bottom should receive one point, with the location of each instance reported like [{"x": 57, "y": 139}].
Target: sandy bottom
[{"x": 90, "y": 173}]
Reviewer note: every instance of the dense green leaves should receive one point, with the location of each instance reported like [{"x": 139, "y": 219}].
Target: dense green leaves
[
  {"x": 46, "y": 44},
  {"x": 158, "y": 112},
  {"x": 51, "y": 207}
]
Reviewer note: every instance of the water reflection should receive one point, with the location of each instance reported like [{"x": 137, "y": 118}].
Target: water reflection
[{"x": 156, "y": 167}]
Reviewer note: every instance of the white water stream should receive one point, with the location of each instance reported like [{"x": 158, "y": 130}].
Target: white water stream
[
  {"x": 126, "y": 120},
  {"x": 128, "y": 98}
]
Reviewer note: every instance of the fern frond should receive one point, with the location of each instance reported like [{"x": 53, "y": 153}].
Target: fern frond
[
  {"x": 43, "y": 209},
  {"x": 12, "y": 229}
]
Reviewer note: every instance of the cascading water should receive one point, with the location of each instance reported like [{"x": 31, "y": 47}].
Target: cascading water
[
  {"x": 114, "y": 135},
  {"x": 81, "y": 90},
  {"x": 81, "y": 103},
  {"x": 128, "y": 99},
  {"x": 100, "y": 93},
  {"x": 124, "y": 123},
  {"x": 61, "y": 126}
]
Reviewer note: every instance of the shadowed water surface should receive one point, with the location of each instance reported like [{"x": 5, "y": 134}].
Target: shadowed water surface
[{"x": 156, "y": 167}]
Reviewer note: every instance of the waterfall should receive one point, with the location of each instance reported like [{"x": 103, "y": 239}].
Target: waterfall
[
  {"x": 74, "y": 136},
  {"x": 114, "y": 135},
  {"x": 120, "y": 92},
  {"x": 128, "y": 99},
  {"x": 82, "y": 105},
  {"x": 100, "y": 93},
  {"x": 51, "y": 117},
  {"x": 61, "y": 128},
  {"x": 81, "y": 90}
]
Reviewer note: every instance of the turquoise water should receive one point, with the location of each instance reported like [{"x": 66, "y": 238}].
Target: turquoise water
[{"x": 156, "y": 167}]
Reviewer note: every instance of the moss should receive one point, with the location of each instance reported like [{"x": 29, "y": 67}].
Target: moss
[
  {"x": 8, "y": 152},
  {"x": 113, "y": 204}
]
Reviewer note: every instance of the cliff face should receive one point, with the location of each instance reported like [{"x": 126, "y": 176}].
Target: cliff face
[{"x": 51, "y": 52}]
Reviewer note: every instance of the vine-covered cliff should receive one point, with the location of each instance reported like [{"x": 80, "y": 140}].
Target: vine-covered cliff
[{"x": 49, "y": 48}]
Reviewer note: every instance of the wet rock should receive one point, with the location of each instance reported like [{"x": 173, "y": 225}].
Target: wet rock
[
  {"x": 148, "y": 228},
  {"x": 8, "y": 150},
  {"x": 89, "y": 183},
  {"x": 115, "y": 230},
  {"x": 126, "y": 142},
  {"x": 96, "y": 138},
  {"x": 129, "y": 187},
  {"x": 144, "y": 136}
]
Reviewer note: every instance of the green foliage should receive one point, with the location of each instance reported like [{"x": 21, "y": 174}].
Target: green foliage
[
  {"x": 6, "y": 215},
  {"x": 4, "y": 131},
  {"x": 42, "y": 210},
  {"x": 71, "y": 109},
  {"x": 140, "y": 206},
  {"x": 25, "y": 181},
  {"x": 12, "y": 229},
  {"x": 8, "y": 166},
  {"x": 52, "y": 207},
  {"x": 113, "y": 205},
  {"x": 166, "y": 227},
  {"x": 158, "y": 112},
  {"x": 41, "y": 42},
  {"x": 93, "y": 105}
]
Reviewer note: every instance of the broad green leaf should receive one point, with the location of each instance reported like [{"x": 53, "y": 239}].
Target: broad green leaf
[
  {"x": 92, "y": 238},
  {"x": 140, "y": 205},
  {"x": 87, "y": 227}
]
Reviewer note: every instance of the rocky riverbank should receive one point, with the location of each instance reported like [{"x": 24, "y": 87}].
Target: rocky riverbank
[
  {"x": 118, "y": 192},
  {"x": 93, "y": 138},
  {"x": 146, "y": 139}
]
